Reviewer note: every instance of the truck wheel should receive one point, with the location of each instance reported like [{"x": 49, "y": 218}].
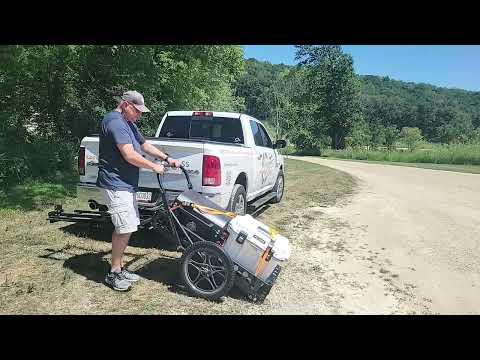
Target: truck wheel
[
  {"x": 206, "y": 270},
  {"x": 278, "y": 188},
  {"x": 238, "y": 202}
]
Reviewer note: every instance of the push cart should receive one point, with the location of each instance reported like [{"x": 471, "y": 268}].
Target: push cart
[{"x": 199, "y": 227}]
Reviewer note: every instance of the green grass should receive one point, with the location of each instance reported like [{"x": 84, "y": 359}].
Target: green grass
[
  {"x": 439, "y": 154},
  {"x": 458, "y": 158},
  {"x": 35, "y": 194}
]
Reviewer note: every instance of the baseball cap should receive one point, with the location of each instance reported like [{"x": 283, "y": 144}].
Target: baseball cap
[{"x": 136, "y": 99}]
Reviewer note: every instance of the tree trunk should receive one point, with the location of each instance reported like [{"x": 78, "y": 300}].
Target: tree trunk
[{"x": 338, "y": 141}]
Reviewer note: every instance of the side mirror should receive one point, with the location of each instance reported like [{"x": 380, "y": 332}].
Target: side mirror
[{"x": 280, "y": 144}]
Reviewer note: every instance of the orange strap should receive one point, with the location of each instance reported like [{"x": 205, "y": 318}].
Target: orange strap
[
  {"x": 262, "y": 261},
  {"x": 208, "y": 210}
]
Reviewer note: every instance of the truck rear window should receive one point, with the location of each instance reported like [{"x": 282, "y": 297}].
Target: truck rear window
[{"x": 221, "y": 129}]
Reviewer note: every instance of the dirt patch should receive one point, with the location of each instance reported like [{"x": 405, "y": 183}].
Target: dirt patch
[{"x": 414, "y": 236}]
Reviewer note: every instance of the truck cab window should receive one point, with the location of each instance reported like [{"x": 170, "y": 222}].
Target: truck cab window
[
  {"x": 266, "y": 139},
  {"x": 176, "y": 127},
  {"x": 221, "y": 129},
  {"x": 257, "y": 135}
]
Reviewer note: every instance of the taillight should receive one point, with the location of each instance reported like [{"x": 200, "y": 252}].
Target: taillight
[
  {"x": 81, "y": 160},
  {"x": 212, "y": 171},
  {"x": 202, "y": 113}
]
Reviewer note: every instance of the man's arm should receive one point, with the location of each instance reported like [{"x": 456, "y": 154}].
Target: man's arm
[
  {"x": 134, "y": 158},
  {"x": 152, "y": 150}
]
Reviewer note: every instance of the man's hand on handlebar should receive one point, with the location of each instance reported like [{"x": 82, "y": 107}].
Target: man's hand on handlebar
[
  {"x": 159, "y": 169},
  {"x": 174, "y": 162}
]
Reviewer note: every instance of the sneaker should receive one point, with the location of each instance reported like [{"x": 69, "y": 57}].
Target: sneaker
[
  {"x": 129, "y": 276},
  {"x": 117, "y": 281}
]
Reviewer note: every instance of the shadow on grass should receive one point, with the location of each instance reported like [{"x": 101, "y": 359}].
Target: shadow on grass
[
  {"x": 90, "y": 265},
  {"x": 37, "y": 194},
  {"x": 146, "y": 239},
  {"x": 166, "y": 270},
  {"x": 93, "y": 266}
]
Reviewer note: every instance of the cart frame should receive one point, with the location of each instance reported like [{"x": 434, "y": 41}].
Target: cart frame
[{"x": 204, "y": 256}]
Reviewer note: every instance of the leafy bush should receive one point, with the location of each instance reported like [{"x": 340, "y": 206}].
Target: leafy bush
[
  {"x": 39, "y": 160},
  {"x": 412, "y": 137}
]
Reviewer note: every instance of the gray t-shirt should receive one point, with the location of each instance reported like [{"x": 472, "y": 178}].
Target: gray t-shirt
[{"x": 114, "y": 172}]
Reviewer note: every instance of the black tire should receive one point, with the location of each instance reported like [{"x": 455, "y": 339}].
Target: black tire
[
  {"x": 206, "y": 270},
  {"x": 238, "y": 201},
  {"x": 279, "y": 185}
]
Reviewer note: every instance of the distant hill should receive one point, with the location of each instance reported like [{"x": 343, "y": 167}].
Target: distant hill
[
  {"x": 435, "y": 110},
  {"x": 424, "y": 106}
]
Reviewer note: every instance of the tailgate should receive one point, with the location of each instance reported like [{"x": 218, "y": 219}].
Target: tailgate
[{"x": 189, "y": 153}]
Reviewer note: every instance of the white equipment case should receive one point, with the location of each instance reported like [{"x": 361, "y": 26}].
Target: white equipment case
[{"x": 255, "y": 246}]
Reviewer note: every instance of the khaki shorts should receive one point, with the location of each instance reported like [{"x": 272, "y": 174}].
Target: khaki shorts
[{"x": 123, "y": 208}]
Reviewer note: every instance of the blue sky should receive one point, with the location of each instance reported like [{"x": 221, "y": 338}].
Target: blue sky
[{"x": 452, "y": 66}]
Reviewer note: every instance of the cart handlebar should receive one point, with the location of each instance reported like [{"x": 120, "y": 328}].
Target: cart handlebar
[{"x": 187, "y": 177}]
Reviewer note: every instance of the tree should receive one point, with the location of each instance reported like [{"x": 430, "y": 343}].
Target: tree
[
  {"x": 360, "y": 134},
  {"x": 280, "y": 97},
  {"x": 256, "y": 87},
  {"x": 475, "y": 138},
  {"x": 391, "y": 136},
  {"x": 297, "y": 119},
  {"x": 54, "y": 95},
  {"x": 456, "y": 127},
  {"x": 378, "y": 135},
  {"x": 412, "y": 137},
  {"x": 333, "y": 87}
]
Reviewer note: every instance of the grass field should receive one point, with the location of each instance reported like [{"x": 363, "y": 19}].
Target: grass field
[
  {"x": 438, "y": 154},
  {"x": 459, "y": 158},
  {"x": 59, "y": 268}
]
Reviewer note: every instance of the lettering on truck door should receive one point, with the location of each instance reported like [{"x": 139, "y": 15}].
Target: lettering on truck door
[
  {"x": 264, "y": 161},
  {"x": 269, "y": 164}
]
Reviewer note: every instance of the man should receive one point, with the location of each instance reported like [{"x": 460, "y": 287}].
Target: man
[{"x": 120, "y": 158}]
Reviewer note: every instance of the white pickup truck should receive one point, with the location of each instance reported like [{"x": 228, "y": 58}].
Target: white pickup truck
[{"x": 229, "y": 157}]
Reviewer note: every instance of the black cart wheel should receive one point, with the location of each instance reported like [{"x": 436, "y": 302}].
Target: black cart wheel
[{"x": 206, "y": 270}]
